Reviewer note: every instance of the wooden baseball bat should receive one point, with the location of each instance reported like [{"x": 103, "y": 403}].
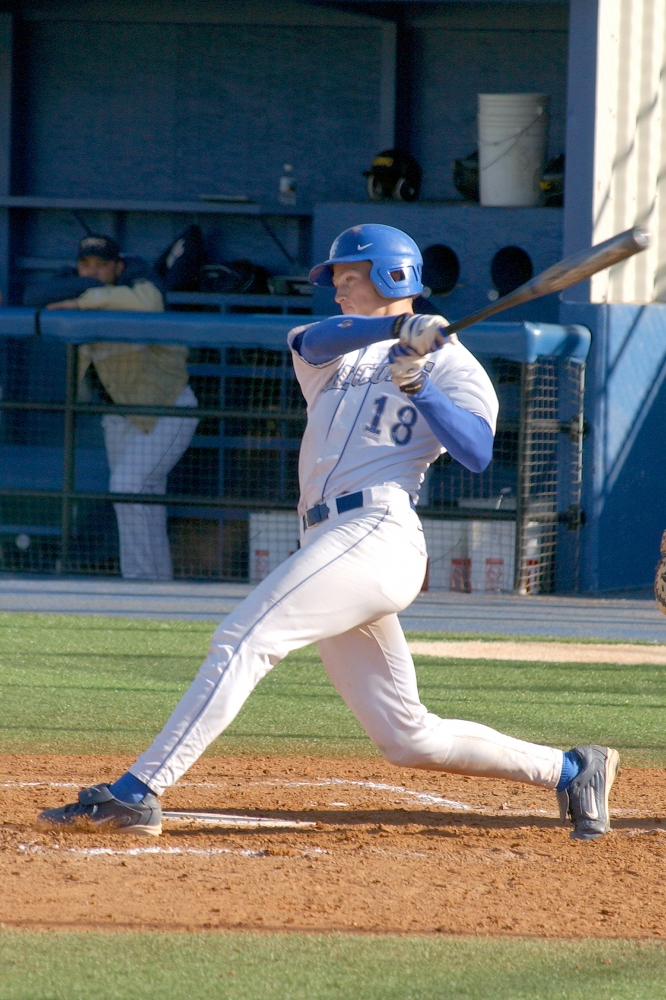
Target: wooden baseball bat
[{"x": 566, "y": 273}]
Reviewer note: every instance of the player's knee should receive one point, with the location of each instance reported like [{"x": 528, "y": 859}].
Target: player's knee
[
  {"x": 402, "y": 750},
  {"x": 125, "y": 481}
]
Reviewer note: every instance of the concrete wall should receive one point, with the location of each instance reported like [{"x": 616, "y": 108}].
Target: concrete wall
[
  {"x": 135, "y": 98},
  {"x": 465, "y": 49},
  {"x": 173, "y": 100}
]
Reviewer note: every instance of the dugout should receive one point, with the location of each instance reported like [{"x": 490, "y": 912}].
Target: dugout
[
  {"x": 128, "y": 111},
  {"x": 230, "y": 500}
]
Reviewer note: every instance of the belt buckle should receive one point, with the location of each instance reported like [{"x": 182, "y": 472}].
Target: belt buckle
[{"x": 316, "y": 515}]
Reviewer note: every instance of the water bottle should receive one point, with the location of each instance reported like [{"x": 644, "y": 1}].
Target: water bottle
[{"x": 287, "y": 188}]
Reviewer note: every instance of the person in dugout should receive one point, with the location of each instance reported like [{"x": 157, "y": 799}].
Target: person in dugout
[{"x": 141, "y": 450}]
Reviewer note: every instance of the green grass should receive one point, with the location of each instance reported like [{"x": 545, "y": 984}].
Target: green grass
[
  {"x": 561, "y": 704},
  {"x": 135, "y": 966},
  {"x": 107, "y": 685},
  {"x": 78, "y": 685}
]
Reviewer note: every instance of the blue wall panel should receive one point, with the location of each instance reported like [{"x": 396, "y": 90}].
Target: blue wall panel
[
  {"x": 634, "y": 512},
  {"x": 625, "y": 463},
  {"x": 474, "y": 233},
  {"x": 174, "y": 111},
  {"x": 133, "y": 108}
]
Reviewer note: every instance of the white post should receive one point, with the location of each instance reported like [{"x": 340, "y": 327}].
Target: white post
[{"x": 629, "y": 143}]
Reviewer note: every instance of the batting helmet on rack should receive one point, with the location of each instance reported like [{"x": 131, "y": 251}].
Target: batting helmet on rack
[
  {"x": 393, "y": 175},
  {"x": 396, "y": 259}
]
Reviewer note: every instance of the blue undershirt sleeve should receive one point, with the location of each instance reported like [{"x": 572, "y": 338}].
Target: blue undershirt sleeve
[
  {"x": 338, "y": 335},
  {"x": 466, "y": 436}
]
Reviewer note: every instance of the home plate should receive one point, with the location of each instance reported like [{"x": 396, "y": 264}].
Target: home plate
[{"x": 237, "y": 822}]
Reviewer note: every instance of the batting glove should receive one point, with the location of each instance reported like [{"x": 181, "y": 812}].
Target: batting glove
[
  {"x": 408, "y": 369},
  {"x": 423, "y": 334}
]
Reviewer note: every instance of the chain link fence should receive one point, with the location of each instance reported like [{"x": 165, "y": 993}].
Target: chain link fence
[{"x": 80, "y": 474}]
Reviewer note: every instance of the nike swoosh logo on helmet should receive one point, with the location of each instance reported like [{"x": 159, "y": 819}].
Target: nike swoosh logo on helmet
[{"x": 364, "y": 247}]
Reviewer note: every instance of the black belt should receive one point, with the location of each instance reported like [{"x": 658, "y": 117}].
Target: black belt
[{"x": 321, "y": 511}]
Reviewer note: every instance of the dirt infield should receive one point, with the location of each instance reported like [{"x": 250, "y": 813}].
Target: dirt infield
[
  {"x": 392, "y": 851},
  {"x": 542, "y": 652}
]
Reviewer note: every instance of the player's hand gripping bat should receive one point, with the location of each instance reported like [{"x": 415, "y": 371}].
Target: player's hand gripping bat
[{"x": 568, "y": 272}]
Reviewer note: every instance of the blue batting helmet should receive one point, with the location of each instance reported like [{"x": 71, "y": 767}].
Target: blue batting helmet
[{"x": 396, "y": 259}]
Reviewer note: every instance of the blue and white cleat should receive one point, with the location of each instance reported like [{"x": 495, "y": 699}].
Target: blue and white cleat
[
  {"x": 98, "y": 809},
  {"x": 586, "y": 798}
]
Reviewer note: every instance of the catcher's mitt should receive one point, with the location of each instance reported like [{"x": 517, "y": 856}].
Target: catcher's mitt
[{"x": 660, "y": 577}]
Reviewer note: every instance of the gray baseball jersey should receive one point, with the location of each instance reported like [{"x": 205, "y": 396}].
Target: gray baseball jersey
[{"x": 362, "y": 431}]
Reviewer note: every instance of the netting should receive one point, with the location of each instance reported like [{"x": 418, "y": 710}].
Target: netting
[
  {"x": 164, "y": 461},
  {"x": 549, "y": 469},
  {"x": 224, "y": 441},
  {"x": 450, "y": 488}
]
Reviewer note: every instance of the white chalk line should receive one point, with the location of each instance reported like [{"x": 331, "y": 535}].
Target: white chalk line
[
  {"x": 426, "y": 797},
  {"x": 228, "y": 820},
  {"x": 637, "y": 832},
  {"x": 135, "y": 851},
  {"x": 246, "y": 822},
  {"x": 94, "y": 852},
  {"x": 39, "y": 784}
]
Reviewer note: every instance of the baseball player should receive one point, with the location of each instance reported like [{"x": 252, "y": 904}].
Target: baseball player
[
  {"x": 387, "y": 392},
  {"x": 141, "y": 450}
]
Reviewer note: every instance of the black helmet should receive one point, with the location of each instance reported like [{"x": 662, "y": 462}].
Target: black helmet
[{"x": 394, "y": 175}]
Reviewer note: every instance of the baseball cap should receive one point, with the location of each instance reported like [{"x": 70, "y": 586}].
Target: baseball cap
[{"x": 103, "y": 247}]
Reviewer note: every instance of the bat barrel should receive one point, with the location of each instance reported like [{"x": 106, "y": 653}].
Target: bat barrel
[
  {"x": 584, "y": 264},
  {"x": 564, "y": 274}
]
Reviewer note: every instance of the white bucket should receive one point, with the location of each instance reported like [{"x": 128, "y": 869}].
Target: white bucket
[
  {"x": 469, "y": 556},
  {"x": 273, "y": 538},
  {"x": 531, "y": 583},
  {"x": 513, "y": 135}
]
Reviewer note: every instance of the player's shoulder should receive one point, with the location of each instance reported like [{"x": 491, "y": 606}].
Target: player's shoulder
[
  {"x": 453, "y": 355},
  {"x": 454, "y": 367},
  {"x": 297, "y": 331}
]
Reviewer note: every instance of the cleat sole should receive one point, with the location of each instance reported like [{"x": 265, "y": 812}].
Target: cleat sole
[{"x": 141, "y": 831}]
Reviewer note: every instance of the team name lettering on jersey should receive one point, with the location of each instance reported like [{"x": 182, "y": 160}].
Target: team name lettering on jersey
[{"x": 351, "y": 376}]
